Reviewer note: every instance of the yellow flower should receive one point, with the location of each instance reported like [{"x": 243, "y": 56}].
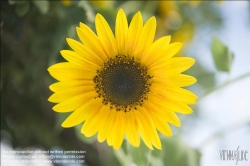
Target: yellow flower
[
  {"x": 185, "y": 33},
  {"x": 102, "y": 3},
  {"x": 165, "y": 6},
  {"x": 66, "y": 2},
  {"x": 125, "y": 84},
  {"x": 170, "y": 19}
]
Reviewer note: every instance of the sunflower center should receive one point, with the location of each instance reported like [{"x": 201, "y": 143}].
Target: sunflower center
[{"x": 123, "y": 83}]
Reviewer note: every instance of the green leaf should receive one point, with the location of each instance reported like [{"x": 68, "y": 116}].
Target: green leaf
[
  {"x": 222, "y": 56},
  {"x": 139, "y": 155},
  {"x": 43, "y": 6},
  {"x": 22, "y": 9}
]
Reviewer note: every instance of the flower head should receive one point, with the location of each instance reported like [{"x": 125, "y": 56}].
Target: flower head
[{"x": 125, "y": 84}]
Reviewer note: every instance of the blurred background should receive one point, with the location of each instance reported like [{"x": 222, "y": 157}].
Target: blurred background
[{"x": 215, "y": 33}]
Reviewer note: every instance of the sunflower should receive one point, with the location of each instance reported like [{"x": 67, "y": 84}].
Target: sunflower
[{"x": 122, "y": 84}]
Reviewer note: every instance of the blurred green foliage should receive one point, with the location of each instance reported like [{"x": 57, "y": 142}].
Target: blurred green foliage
[
  {"x": 222, "y": 56},
  {"x": 32, "y": 35},
  {"x": 174, "y": 152}
]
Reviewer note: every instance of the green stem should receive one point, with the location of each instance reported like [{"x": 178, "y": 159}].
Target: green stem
[
  {"x": 122, "y": 157},
  {"x": 224, "y": 85},
  {"x": 225, "y": 130},
  {"x": 230, "y": 127}
]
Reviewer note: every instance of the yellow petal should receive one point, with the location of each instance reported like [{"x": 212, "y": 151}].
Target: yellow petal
[
  {"x": 172, "y": 67},
  {"x": 121, "y": 30},
  {"x": 164, "y": 54},
  {"x": 146, "y": 37},
  {"x": 175, "y": 106},
  {"x": 91, "y": 125},
  {"x": 95, "y": 125},
  {"x": 73, "y": 103},
  {"x": 145, "y": 135},
  {"x": 156, "y": 50},
  {"x": 81, "y": 114},
  {"x": 58, "y": 86},
  {"x": 161, "y": 110},
  {"x": 180, "y": 80},
  {"x": 134, "y": 30},
  {"x": 173, "y": 93},
  {"x": 77, "y": 60},
  {"x": 148, "y": 124},
  {"x": 106, "y": 36},
  {"x": 131, "y": 129},
  {"x": 85, "y": 53},
  {"x": 119, "y": 130},
  {"x": 66, "y": 71},
  {"x": 111, "y": 131},
  {"x": 89, "y": 38},
  {"x": 65, "y": 94},
  {"x": 107, "y": 126},
  {"x": 160, "y": 124}
]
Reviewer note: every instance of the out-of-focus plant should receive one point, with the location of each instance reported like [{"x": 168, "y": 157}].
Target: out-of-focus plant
[
  {"x": 67, "y": 2},
  {"x": 181, "y": 25},
  {"x": 197, "y": 2},
  {"x": 102, "y": 4}
]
